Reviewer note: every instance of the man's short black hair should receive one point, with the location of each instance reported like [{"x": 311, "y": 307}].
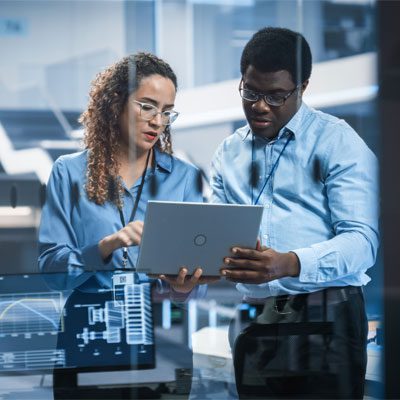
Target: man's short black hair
[{"x": 275, "y": 49}]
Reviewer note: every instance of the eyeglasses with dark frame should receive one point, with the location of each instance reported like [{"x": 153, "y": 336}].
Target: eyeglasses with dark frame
[
  {"x": 149, "y": 111},
  {"x": 275, "y": 100}
]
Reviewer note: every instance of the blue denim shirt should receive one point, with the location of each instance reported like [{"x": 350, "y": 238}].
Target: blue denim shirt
[
  {"x": 321, "y": 201},
  {"x": 72, "y": 225}
]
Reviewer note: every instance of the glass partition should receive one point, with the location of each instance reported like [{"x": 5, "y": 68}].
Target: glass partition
[{"x": 52, "y": 51}]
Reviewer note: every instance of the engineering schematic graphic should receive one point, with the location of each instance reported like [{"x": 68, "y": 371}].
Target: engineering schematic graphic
[
  {"x": 29, "y": 324},
  {"x": 130, "y": 310},
  {"x": 30, "y": 313}
]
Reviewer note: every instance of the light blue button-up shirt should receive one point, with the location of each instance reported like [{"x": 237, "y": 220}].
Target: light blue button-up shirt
[
  {"x": 320, "y": 202},
  {"x": 72, "y": 225}
]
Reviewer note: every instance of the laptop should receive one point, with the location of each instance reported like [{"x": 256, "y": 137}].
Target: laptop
[{"x": 194, "y": 235}]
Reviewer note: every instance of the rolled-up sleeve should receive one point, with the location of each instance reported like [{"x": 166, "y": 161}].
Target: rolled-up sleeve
[{"x": 352, "y": 191}]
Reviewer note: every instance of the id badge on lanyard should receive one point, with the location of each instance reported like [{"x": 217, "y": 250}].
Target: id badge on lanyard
[{"x": 120, "y": 280}]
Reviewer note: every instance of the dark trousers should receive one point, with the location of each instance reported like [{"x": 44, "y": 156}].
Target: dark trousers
[{"x": 303, "y": 346}]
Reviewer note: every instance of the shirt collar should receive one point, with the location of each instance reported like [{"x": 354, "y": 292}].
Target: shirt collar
[
  {"x": 294, "y": 125},
  {"x": 162, "y": 160}
]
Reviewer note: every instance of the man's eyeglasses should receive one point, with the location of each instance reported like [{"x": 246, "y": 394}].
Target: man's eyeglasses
[
  {"x": 275, "y": 100},
  {"x": 148, "y": 112}
]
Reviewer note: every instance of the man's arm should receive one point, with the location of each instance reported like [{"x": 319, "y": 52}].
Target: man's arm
[{"x": 352, "y": 196}]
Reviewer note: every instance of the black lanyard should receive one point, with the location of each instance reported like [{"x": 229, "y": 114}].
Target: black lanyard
[
  {"x": 272, "y": 169},
  {"x": 135, "y": 207}
]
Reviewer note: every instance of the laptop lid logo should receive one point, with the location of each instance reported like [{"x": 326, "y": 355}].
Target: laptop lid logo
[{"x": 200, "y": 240}]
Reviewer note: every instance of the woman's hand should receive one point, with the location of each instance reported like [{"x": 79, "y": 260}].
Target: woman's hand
[
  {"x": 182, "y": 283},
  {"x": 129, "y": 235}
]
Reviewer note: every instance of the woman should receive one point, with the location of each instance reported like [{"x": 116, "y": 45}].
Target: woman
[{"x": 96, "y": 199}]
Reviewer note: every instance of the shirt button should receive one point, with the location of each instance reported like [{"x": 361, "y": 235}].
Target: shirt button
[
  {"x": 266, "y": 237},
  {"x": 266, "y": 206}
]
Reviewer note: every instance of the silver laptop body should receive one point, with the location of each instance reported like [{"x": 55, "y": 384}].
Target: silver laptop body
[{"x": 194, "y": 235}]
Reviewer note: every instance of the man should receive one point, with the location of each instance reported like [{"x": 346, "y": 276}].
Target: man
[{"x": 317, "y": 181}]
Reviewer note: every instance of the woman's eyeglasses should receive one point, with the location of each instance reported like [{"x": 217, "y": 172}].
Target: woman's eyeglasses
[{"x": 148, "y": 112}]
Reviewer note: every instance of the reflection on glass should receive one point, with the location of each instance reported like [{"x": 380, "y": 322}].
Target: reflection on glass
[{"x": 44, "y": 82}]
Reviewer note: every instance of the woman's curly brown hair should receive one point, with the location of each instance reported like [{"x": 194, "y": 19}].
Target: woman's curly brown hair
[{"x": 109, "y": 93}]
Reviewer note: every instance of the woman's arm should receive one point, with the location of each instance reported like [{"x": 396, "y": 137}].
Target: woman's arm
[
  {"x": 129, "y": 235},
  {"x": 59, "y": 251}
]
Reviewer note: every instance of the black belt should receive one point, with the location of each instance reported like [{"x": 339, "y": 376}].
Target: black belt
[
  {"x": 324, "y": 297},
  {"x": 334, "y": 295}
]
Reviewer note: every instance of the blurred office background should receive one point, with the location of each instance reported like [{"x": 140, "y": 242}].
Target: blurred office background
[{"x": 52, "y": 49}]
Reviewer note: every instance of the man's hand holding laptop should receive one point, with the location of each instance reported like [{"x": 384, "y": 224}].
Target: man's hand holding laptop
[{"x": 259, "y": 265}]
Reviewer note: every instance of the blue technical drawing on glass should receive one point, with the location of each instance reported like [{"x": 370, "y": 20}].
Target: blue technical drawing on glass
[{"x": 40, "y": 330}]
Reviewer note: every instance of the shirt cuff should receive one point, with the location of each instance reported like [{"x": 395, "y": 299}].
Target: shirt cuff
[
  {"x": 308, "y": 264},
  {"x": 179, "y": 297},
  {"x": 92, "y": 258},
  {"x": 197, "y": 292},
  {"x": 161, "y": 286}
]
